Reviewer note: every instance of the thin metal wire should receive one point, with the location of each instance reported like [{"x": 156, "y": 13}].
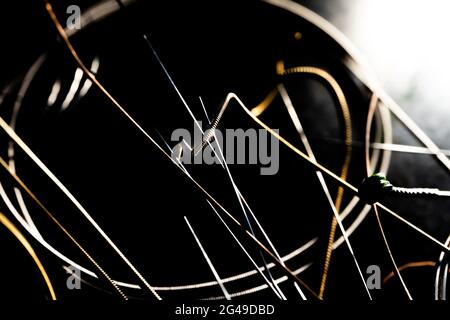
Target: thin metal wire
[
  {"x": 315, "y": 164},
  {"x": 25, "y": 188},
  {"x": 208, "y": 260},
  {"x": 259, "y": 110},
  {"x": 337, "y": 90},
  {"x": 371, "y": 112},
  {"x": 24, "y": 242}
]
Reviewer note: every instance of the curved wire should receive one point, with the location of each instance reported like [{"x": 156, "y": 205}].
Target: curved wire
[
  {"x": 322, "y": 74},
  {"x": 440, "y": 282},
  {"x": 229, "y": 97},
  {"x": 408, "y": 266},
  {"x": 116, "y": 104},
  {"x": 24, "y": 187},
  {"x": 19, "y": 236},
  {"x": 372, "y": 108}
]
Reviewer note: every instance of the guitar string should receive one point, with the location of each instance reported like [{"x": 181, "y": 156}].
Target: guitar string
[
  {"x": 401, "y": 148},
  {"x": 336, "y": 206},
  {"x": 237, "y": 191},
  {"x": 383, "y": 129},
  {"x": 261, "y": 108},
  {"x": 440, "y": 281},
  {"x": 25, "y": 188},
  {"x": 372, "y": 108},
  {"x": 12, "y": 134},
  {"x": 409, "y": 265},
  {"x": 260, "y": 287},
  {"x": 239, "y": 195},
  {"x": 337, "y": 90},
  {"x": 318, "y": 166},
  {"x": 258, "y": 110},
  {"x": 204, "y": 110},
  {"x": 392, "y": 213},
  {"x": 24, "y": 242},
  {"x": 356, "y": 64},
  {"x": 243, "y": 202},
  {"x": 92, "y": 77},
  {"x": 208, "y": 260},
  {"x": 23, "y": 89},
  {"x": 398, "y": 217},
  {"x": 20, "y": 142},
  {"x": 270, "y": 283}
]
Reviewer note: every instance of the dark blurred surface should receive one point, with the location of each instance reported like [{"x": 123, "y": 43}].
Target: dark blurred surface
[{"x": 404, "y": 42}]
